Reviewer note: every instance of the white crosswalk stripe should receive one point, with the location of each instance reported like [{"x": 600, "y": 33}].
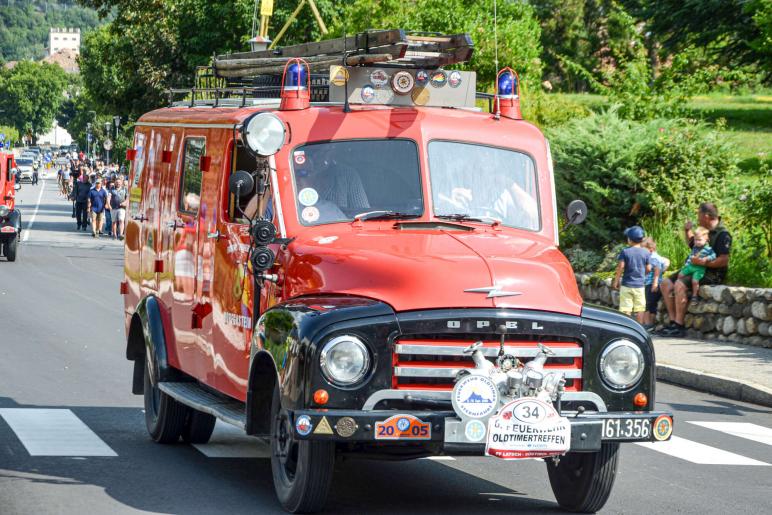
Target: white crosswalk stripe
[
  {"x": 228, "y": 441},
  {"x": 54, "y": 432},
  {"x": 745, "y": 430},
  {"x": 699, "y": 453}
]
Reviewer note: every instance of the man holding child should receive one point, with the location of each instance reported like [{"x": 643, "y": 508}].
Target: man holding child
[{"x": 680, "y": 287}]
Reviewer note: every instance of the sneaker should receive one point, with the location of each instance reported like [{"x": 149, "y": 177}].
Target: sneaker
[
  {"x": 93, "y": 235},
  {"x": 674, "y": 331}
]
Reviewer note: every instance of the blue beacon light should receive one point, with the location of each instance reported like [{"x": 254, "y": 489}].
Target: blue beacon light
[
  {"x": 296, "y": 78},
  {"x": 507, "y": 85}
]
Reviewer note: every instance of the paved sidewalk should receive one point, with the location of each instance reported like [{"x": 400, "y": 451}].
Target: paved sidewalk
[{"x": 740, "y": 372}]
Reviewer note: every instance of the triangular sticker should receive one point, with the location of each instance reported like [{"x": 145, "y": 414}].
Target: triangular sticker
[{"x": 323, "y": 428}]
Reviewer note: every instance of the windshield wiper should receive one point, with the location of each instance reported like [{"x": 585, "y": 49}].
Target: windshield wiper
[
  {"x": 383, "y": 215},
  {"x": 463, "y": 217}
]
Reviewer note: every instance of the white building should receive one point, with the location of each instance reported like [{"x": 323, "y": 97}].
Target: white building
[{"x": 63, "y": 39}]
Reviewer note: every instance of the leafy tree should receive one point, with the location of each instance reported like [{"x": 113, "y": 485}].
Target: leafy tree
[{"x": 31, "y": 94}]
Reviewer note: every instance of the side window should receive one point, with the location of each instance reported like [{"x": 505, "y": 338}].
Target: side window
[{"x": 190, "y": 182}]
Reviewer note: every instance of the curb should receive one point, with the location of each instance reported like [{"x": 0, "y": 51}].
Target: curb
[{"x": 715, "y": 384}]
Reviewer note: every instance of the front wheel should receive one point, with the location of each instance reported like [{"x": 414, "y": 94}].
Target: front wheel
[
  {"x": 302, "y": 469},
  {"x": 582, "y": 481},
  {"x": 165, "y": 417},
  {"x": 11, "y": 246}
]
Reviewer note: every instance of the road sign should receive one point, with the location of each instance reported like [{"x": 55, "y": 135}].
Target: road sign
[{"x": 108, "y": 144}]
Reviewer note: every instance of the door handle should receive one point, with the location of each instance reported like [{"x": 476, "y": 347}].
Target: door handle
[
  {"x": 175, "y": 224},
  {"x": 214, "y": 235},
  {"x": 140, "y": 218}
]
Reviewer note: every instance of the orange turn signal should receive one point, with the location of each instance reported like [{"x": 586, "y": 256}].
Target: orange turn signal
[
  {"x": 321, "y": 397},
  {"x": 640, "y": 400}
]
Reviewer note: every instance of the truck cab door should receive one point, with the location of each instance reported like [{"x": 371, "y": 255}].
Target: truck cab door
[
  {"x": 151, "y": 214},
  {"x": 135, "y": 221}
]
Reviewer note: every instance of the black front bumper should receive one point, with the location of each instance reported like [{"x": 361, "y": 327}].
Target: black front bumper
[{"x": 588, "y": 430}]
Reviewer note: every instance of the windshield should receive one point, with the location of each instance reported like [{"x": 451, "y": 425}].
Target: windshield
[
  {"x": 24, "y": 162},
  {"x": 336, "y": 181},
  {"x": 483, "y": 182}
]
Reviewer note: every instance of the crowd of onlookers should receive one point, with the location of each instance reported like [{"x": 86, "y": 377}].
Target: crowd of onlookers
[
  {"x": 641, "y": 279},
  {"x": 98, "y": 193}
]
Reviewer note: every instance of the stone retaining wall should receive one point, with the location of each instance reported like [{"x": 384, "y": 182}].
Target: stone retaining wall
[{"x": 725, "y": 313}]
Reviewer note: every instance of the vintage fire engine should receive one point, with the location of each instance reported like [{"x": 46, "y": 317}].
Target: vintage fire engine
[
  {"x": 10, "y": 217},
  {"x": 363, "y": 262}
]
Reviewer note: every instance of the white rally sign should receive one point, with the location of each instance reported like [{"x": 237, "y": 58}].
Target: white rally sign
[{"x": 527, "y": 428}]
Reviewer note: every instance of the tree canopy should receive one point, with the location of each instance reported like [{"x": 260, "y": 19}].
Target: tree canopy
[{"x": 31, "y": 95}]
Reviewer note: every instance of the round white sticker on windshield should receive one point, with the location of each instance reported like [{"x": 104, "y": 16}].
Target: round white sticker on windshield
[
  {"x": 308, "y": 196},
  {"x": 310, "y": 214}
]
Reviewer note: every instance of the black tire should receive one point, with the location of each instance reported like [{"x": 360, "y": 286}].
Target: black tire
[
  {"x": 164, "y": 416},
  {"x": 302, "y": 469},
  {"x": 582, "y": 481},
  {"x": 198, "y": 426},
  {"x": 11, "y": 246}
]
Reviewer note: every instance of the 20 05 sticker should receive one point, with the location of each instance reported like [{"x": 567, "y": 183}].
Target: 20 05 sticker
[{"x": 403, "y": 427}]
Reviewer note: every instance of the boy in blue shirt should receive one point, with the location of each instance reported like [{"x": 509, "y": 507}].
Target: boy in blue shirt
[
  {"x": 658, "y": 266},
  {"x": 634, "y": 262}
]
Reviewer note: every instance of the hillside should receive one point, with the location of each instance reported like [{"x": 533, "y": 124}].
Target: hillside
[{"x": 24, "y": 25}]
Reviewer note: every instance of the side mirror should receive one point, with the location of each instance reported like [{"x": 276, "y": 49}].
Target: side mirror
[
  {"x": 241, "y": 184},
  {"x": 576, "y": 212}
]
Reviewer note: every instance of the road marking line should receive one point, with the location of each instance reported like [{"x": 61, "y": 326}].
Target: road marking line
[
  {"x": 699, "y": 453},
  {"x": 439, "y": 458},
  {"x": 231, "y": 442},
  {"x": 54, "y": 432},
  {"x": 745, "y": 430},
  {"x": 35, "y": 213}
]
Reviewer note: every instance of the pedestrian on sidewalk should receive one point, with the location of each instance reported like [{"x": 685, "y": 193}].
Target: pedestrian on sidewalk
[
  {"x": 634, "y": 262},
  {"x": 674, "y": 292},
  {"x": 119, "y": 198},
  {"x": 653, "y": 279},
  {"x": 97, "y": 199},
  {"x": 81, "y": 191},
  {"x": 109, "y": 209}
]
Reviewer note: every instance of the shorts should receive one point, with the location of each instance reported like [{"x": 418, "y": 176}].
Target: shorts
[
  {"x": 695, "y": 271},
  {"x": 652, "y": 299},
  {"x": 632, "y": 300},
  {"x": 119, "y": 215}
]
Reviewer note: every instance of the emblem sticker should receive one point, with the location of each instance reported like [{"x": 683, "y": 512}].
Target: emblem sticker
[
  {"x": 439, "y": 78},
  {"x": 303, "y": 425},
  {"x": 300, "y": 157},
  {"x": 663, "y": 427},
  {"x": 474, "y": 431},
  {"x": 402, "y": 83},
  {"x": 422, "y": 77},
  {"x": 367, "y": 94},
  {"x": 323, "y": 428},
  {"x": 527, "y": 428},
  {"x": 338, "y": 76},
  {"x": 420, "y": 96},
  {"x": 308, "y": 196},
  {"x": 310, "y": 214},
  {"x": 403, "y": 427},
  {"x": 454, "y": 79},
  {"x": 8, "y": 228},
  {"x": 379, "y": 78},
  {"x": 475, "y": 397}
]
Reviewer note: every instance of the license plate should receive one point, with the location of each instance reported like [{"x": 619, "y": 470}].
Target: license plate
[{"x": 626, "y": 429}]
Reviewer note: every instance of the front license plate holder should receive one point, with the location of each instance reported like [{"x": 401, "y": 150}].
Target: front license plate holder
[{"x": 627, "y": 428}]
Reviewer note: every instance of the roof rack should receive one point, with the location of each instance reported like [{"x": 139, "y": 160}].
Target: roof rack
[{"x": 389, "y": 48}]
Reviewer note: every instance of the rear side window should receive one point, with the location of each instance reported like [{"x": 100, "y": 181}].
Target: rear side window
[{"x": 190, "y": 182}]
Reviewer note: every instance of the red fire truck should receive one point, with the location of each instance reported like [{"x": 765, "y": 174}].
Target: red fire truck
[
  {"x": 10, "y": 217},
  {"x": 362, "y": 261}
]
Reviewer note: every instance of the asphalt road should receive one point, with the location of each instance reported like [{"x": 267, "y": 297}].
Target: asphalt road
[{"x": 73, "y": 441}]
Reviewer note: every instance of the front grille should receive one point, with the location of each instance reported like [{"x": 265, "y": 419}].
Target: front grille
[{"x": 433, "y": 364}]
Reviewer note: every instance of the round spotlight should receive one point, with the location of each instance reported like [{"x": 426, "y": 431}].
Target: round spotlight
[{"x": 264, "y": 133}]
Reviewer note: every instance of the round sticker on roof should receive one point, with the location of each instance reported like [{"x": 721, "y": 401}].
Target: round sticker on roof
[
  {"x": 421, "y": 77},
  {"x": 454, "y": 79},
  {"x": 338, "y": 76},
  {"x": 439, "y": 78},
  {"x": 310, "y": 214},
  {"x": 402, "y": 82},
  {"x": 420, "y": 96},
  {"x": 367, "y": 94},
  {"x": 308, "y": 196},
  {"x": 379, "y": 78}
]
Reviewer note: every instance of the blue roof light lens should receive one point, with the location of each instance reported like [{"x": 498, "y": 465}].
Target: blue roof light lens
[
  {"x": 507, "y": 85},
  {"x": 296, "y": 78}
]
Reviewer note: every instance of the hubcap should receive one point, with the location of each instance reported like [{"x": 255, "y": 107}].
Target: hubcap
[{"x": 285, "y": 447}]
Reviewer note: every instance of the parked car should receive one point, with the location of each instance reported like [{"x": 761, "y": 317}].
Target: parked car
[{"x": 26, "y": 167}]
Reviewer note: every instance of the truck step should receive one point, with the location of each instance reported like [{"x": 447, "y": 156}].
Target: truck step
[{"x": 191, "y": 394}]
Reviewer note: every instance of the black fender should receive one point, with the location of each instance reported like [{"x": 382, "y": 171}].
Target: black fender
[
  {"x": 13, "y": 220},
  {"x": 285, "y": 345},
  {"x": 146, "y": 343}
]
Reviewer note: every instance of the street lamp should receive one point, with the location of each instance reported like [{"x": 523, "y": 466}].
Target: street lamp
[
  {"x": 108, "y": 127},
  {"x": 88, "y": 140}
]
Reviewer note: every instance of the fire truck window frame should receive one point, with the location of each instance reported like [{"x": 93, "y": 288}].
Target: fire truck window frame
[
  {"x": 467, "y": 166},
  {"x": 138, "y": 166},
  {"x": 375, "y": 179},
  {"x": 192, "y": 176},
  {"x": 243, "y": 159},
  {"x": 9, "y": 169}
]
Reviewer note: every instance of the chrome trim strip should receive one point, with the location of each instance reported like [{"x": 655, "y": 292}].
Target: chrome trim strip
[
  {"x": 453, "y": 350},
  {"x": 187, "y": 125},
  {"x": 276, "y": 196},
  {"x": 383, "y": 395},
  {"x": 451, "y": 372}
]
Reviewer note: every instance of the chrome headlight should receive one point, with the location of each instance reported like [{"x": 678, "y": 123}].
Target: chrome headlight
[
  {"x": 4, "y": 210},
  {"x": 621, "y": 364},
  {"x": 344, "y": 360},
  {"x": 264, "y": 133}
]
